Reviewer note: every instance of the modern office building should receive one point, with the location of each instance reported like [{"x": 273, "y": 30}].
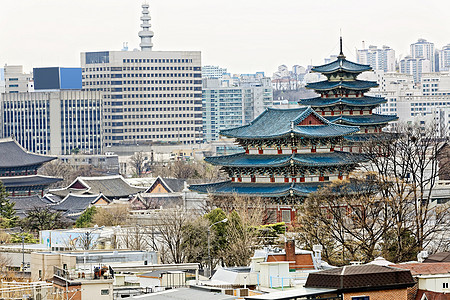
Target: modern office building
[
  {"x": 16, "y": 81},
  {"x": 378, "y": 59},
  {"x": 149, "y": 96},
  {"x": 226, "y": 106},
  {"x": 213, "y": 71},
  {"x": 424, "y": 49},
  {"x": 54, "y": 122}
]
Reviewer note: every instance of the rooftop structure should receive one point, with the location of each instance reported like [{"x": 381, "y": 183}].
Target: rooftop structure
[
  {"x": 146, "y": 34},
  {"x": 289, "y": 153},
  {"x": 18, "y": 170},
  {"x": 73, "y": 205},
  {"x": 112, "y": 187}
]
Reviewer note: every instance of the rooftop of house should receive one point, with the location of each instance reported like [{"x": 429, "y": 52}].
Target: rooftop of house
[
  {"x": 113, "y": 186},
  {"x": 425, "y": 268},
  {"x": 27, "y": 181},
  {"x": 361, "y": 277},
  {"x": 74, "y": 204},
  {"x": 438, "y": 257},
  {"x": 185, "y": 294},
  {"x": 14, "y": 155}
]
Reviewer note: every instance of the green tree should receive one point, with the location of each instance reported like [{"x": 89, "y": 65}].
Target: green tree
[
  {"x": 195, "y": 241},
  {"x": 42, "y": 218},
  {"x": 8, "y": 216},
  {"x": 85, "y": 220},
  {"x": 28, "y": 238}
]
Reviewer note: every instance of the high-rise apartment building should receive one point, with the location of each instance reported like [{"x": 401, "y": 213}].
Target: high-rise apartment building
[
  {"x": 227, "y": 106},
  {"x": 378, "y": 59},
  {"x": 149, "y": 96},
  {"x": 415, "y": 67},
  {"x": 424, "y": 49},
  {"x": 444, "y": 58},
  {"x": 54, "y": 122},
  {"x": 213, "y": 71}
]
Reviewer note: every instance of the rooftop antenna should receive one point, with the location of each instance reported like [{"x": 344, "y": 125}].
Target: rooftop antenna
[{"x": 145, "y": 34}]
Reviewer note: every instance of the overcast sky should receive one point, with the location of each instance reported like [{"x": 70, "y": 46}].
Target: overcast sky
[{"x": 245, "y": 36}]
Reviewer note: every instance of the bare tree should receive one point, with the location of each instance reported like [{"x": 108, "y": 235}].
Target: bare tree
[
  {"x": 169, "y": 234},
  {"x": 137, "y": 162},
  {"x": 134, "y": 236},
  {"x": 111, "y": 215},
  {"x": 408, "y": 170},
  {"x": 347, "y": 218}
]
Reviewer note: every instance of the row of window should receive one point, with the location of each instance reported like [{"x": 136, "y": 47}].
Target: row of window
[{"x": 159, "y": 60}]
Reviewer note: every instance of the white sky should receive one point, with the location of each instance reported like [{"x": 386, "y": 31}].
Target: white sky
[{"x": 245, "y": 36}]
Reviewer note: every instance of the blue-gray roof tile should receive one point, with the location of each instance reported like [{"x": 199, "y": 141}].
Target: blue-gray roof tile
[{"x": 273, "y": 123}]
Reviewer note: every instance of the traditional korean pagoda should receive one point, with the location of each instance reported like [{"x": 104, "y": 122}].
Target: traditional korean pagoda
[
  {"x": 342, "y": 98},
  {"x": 289, "y": 153},
  {"x": 18, "y": 170}
]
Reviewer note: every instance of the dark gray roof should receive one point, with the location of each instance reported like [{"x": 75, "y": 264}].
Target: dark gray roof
[
  {"x": 274, "y": 123},
  {"x": 176, "y": 185},
  {"x": 27, "y": 202},
  {"x": 357, "y": 277},
  {"x": 110, "y": 186},
  {"x": 438, "y": 257},
  {"x": 13, "y": 155},
  {"x": 73, "y": 205},
  {"x": 30, "y": 180},
  {"x": 75, "y": 202}
]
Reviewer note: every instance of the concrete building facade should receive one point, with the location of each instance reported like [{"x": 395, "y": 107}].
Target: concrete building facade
[
  {"x": 16, "y": 81},
  {"x": 54, "y": 122}
]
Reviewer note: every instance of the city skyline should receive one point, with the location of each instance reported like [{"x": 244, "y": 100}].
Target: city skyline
[{"x": 245, "y": 36}]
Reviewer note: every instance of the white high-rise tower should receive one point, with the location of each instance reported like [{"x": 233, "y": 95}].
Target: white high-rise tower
[{"x": 145, "y": 34}]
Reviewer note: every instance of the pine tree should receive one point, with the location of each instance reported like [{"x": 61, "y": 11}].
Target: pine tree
[{"x": 7, "y": 213}]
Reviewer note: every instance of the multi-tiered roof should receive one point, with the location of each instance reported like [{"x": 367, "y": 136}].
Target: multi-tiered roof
[
  {"x": 288, "y": 153},
  {"x": 342, "y": 97},
  {"x": 18, "y": 170}
]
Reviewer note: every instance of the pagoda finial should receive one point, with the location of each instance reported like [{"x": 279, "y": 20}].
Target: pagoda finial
[{"x": 341, "y": 53}]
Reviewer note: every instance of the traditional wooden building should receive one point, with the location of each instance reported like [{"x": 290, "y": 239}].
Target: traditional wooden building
[
  {"x": 289, "y": 153},
  {"x": 342, "y": 99},
  {"x": 18, "y": 170}
]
